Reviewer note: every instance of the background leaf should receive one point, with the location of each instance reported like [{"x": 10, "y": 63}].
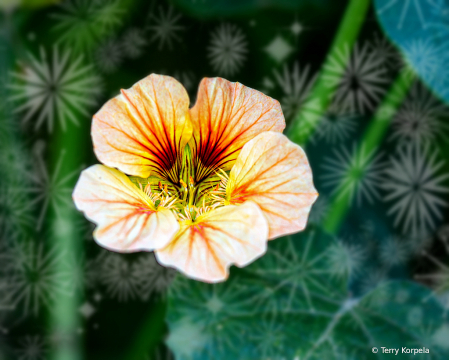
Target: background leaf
[
  {"x": 293, "y": 303},
  {"x": 420, "y": 28}
]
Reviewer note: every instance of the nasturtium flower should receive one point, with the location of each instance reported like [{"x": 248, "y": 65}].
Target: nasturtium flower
[{"x": 204, "y": 187}]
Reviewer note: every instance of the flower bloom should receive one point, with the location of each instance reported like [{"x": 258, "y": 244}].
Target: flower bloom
[{"x": 205, "y": 187}]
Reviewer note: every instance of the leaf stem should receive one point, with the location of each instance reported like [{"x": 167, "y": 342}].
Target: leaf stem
[
  {"x": 321, "y": 94},
  {"x": 63, "y": 225},
  {"x": 370, "y": 140},
  {"x": 149, "y": 334}
]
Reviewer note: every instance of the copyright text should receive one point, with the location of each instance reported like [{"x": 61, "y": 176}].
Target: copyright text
[{"x": 401, "y": 350}]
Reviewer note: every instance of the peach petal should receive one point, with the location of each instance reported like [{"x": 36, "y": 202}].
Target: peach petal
[
  {"x": 226, "y": 116},
  {"x": 126, "y": 218},
  {"x": 143, "y": 130},
  {"x": 204, "y": 250},
  {"x": 274, "y": 172}
]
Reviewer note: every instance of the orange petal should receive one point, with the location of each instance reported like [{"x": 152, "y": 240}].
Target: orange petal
[
  {"x": 274, "y": 172},
  {"x": 225, "y": 117},
  {"x": 143, "y": 129},
  {"x": 203, "y": 250},
  {"x": 125, "y": 216}
]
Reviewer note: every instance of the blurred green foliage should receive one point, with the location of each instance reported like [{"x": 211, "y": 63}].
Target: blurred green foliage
[
  {"x": 313, "y": 295},
  {"x": 218, "y": 8}
]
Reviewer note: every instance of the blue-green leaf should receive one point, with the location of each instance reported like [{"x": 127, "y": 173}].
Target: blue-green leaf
[
  {"x": 292, "y": 304},
  {"x": 420, "y": 28}
]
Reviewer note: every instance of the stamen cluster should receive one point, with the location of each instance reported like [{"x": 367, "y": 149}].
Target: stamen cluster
[{"x": 190, "y": 200}]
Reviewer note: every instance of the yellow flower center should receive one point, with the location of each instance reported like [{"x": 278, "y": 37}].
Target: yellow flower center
[{"x": 182, "y": 193}]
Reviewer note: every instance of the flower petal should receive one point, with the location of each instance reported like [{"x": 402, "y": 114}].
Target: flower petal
[
  {"x": 203, "y": 250},
  {"x": 274, "y": 172},
  {"x": 143, "y": 129},
  {"x": 126, "y": 217},
  {"x": 226, "y": 116}
]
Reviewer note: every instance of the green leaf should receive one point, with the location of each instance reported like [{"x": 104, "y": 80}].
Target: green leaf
[{"x": 292, "y": 304}]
